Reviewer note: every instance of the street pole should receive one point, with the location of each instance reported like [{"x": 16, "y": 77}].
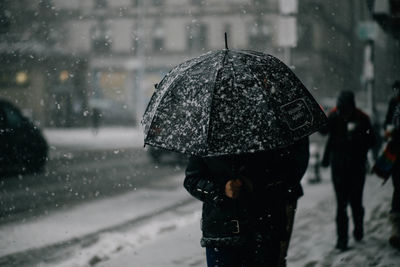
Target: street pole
[
  {"x": 287, "y": 30},
  {"x": 369, "y": 76},
  {"x": 366, "y": 31},
  {"x": 140, "y": 30},
  {"x": 369, "y": 64}
]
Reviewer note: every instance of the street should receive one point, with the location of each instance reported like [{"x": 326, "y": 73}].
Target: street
[
  {"x": 92, "y": 184},
  {"x": 102, "y": 201},
  {"x": 78, "y": 176}
]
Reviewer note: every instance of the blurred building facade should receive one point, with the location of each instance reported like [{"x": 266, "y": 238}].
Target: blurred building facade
[
  {"x": 328, "y": 52},
  {"x": 80, "y": 55},
  {"x": 131, "y": 45},
  {"x": 36, "y": 74},
  {"x": 331, "y": 55},
  {"x": 123, "y": 48},
  {"x": 386, "y": 13}
]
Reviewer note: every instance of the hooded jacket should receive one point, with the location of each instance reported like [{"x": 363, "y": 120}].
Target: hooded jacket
[
  {"x": 271, "y": 179},
  {"x": 349, "y": 139}
]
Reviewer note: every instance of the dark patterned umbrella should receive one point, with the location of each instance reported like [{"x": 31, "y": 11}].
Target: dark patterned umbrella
[{"x": 230, "y": 102}]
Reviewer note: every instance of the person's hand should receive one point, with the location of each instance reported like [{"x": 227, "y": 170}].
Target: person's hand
[
  {"x": 388, "y": 131},
  {"x": 233, "y": 188}
]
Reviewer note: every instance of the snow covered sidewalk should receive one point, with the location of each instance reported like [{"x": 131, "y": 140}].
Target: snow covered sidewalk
[
  {"x": 84, "y": 138},
  {"x": 314, "y": 237},
  {"x": 89, "y": 221},
  {"x": 313, "y": 240}
]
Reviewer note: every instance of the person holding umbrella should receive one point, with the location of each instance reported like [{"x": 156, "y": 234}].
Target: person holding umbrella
[
  {"x": 244, "y": 119},
  {"x": 249, "y": 203}
]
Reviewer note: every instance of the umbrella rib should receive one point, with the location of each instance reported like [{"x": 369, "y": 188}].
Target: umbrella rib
[
  {"x": 233, "y": 74},
  {"x": 212, "y": 98},
  {"x": 177, "y": 78},
  {"x": 249, "y": 54},
  {"x": 188, "y": 67}
]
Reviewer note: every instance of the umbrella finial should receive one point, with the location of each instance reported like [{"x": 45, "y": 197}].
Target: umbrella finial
[{"x": 226, "y": 41}]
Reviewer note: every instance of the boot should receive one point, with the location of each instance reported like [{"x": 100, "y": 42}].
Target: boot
[
  {"x": 358, "y": 220},
  {"x": 342, "y": 244},
  {"x": 342, "y": 225},
  {"x": 358, "y": 233},
  {"x": 394, "y": 239}
]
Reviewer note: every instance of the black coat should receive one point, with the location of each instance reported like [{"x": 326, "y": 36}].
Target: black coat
[
  {"x": 347, "y": 144},
  {"x": 259, "y": 212},
  {"x": 394, "y": 101},
  {"x": 392, "y": 118}
]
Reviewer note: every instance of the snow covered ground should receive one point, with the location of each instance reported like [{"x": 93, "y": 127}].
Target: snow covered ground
[
  {"x": 312, "y": 244},
  {"x": 173, "y": 238},
  {"x": 314, "y": 234},
  {"x": 106, "y": 138},
  {"x": 170, "y": 236},
  {"x": 95, "y": 216}
]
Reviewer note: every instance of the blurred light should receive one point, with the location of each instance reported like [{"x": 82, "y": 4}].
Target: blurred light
[
  {"x": 64, "y": 75},
  {"x": 21, "y": 77}
]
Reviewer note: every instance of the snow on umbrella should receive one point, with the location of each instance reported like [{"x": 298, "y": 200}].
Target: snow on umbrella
[{"x": 230, "y": 102}]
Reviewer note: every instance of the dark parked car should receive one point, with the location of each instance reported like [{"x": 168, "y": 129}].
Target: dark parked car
[{"x": 22, "y": 145}]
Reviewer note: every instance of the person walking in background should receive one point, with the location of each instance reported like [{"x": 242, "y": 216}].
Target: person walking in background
[
  {"x": 249, "y": 201},
  {"x": 394, "y": 101},
  {"x": 350, "y": 137},
  {"x": 96, "y": 117},
  {"x": 392, "y": 134}
]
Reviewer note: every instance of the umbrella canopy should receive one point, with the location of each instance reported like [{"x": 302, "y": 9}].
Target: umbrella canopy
[{"x": 230, "y": 102}]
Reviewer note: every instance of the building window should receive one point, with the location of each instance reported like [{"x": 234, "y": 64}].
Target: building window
[
  {"x": 135, "y": 3},
  {"x": 306, "y": 35},
  {"x": 101, "y": 38},
  {"x": 259, "y": 35},
  {"x": 158, "y": 38},
  {"x": 197, "y": 37},
  {"x": 158, "y": 43},
  {"x": 11, "y": 78},
  {"x": 197, "y": 2},
  {"x": 157, "y": 2},
  {"x": 100, "y": 3}
]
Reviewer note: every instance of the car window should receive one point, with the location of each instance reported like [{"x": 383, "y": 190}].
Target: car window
[{"x": 13, "y": 116}]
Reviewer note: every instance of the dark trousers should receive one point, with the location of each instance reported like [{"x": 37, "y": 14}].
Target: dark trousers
[
  {"x": 228, "y": 257},
  {"x": 348, "y": 183},
  {"x": 250, "y": 255},
  {"x": 271, "y": 254}
]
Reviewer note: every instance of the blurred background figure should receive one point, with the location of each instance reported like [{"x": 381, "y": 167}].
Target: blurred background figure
[
  {"x": 96, "y": 120},
  {"x": 350, "y": 137},
  {"x": 315, "y": 175},
  {"x": 394, "y": 101},
  {"x": 392, "y": 134}
]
